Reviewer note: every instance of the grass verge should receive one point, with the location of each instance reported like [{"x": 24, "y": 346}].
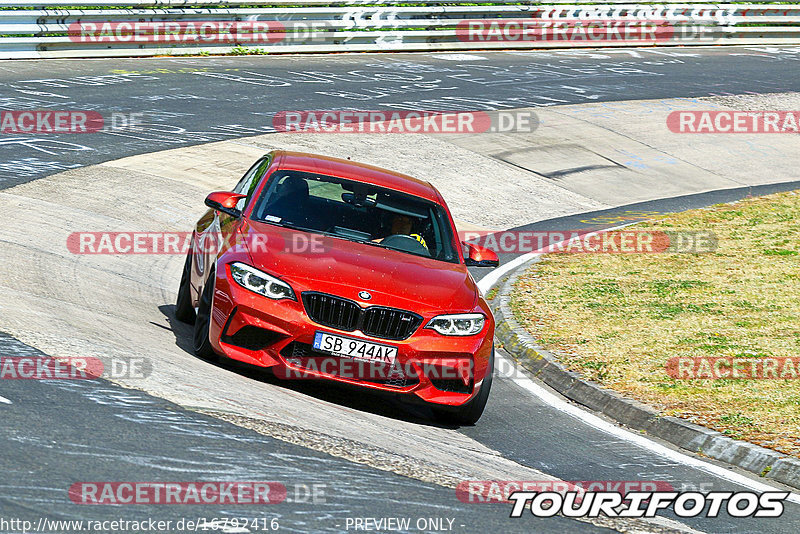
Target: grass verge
[{"x": 618, "y": 318}]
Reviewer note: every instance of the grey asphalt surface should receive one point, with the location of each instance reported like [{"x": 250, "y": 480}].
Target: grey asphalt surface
[
  {"x": 59, "y": 432},
  {"x": 113, "y": 434},
  {"x": 186, "y": 101}
]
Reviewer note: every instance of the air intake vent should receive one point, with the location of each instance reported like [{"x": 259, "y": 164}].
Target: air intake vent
[
  {"x": 303, "y": 355},
  {"x": 251, "y": 338},
  {"x": 451, "y": 385}
]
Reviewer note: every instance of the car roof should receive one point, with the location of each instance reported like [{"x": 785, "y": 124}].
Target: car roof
[{"x": 358, "y": 172}]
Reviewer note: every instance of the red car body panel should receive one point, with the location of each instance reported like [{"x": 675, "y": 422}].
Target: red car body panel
[{"x": 343, "y": 268}]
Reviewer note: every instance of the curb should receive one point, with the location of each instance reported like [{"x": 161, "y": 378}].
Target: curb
[{"x": 633, "y": 414}]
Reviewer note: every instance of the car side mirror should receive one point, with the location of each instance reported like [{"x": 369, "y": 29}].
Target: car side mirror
[
  {"x": 480, "y": 257},
  {"x": 225, "y": 201}
]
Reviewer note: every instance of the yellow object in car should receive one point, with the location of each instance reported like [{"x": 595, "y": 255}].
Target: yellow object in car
[{"x": 420, "y": 239}]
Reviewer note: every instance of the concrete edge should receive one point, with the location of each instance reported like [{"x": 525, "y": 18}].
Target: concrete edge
[{"x": 633, "y": 414}]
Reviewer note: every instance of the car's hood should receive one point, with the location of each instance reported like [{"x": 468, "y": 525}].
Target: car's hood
[{"x": 314, "y": 262}]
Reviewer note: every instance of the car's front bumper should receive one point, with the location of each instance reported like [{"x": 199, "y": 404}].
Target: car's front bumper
[{"x": 248, "y": 327}]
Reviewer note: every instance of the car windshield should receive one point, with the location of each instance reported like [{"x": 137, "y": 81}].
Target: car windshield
[{"x": 358, "y": 212}]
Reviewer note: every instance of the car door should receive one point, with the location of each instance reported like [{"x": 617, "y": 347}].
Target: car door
[{"x": 216, "y": 229}]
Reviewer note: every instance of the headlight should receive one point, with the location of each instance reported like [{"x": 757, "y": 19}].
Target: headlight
[
  {"x": 260, "y": 282},
  {"x": 463, "y": 324}
]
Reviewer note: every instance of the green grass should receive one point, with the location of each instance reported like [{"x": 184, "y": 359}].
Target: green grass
[{"x": 618, "y": 318}]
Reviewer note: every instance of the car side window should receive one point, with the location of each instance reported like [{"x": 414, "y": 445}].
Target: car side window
[
  {"x": 240, "y": 186},
  {"x": 250, "y": 180}
]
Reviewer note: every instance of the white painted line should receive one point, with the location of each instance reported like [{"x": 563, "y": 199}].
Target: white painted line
[
  {"x": 486, "y": 283},
  {"x": 5, "y": 400},
  {"x": 590, "y": 419}
]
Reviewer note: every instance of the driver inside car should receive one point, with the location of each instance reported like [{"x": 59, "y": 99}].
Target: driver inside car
[{"x": 402, "y": 225}]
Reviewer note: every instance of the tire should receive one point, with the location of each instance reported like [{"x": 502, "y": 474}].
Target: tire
[
  {"x": 469, "y": 413},
  {"x": 200, "y": 340},
  {"x": 184, "y": 311}
]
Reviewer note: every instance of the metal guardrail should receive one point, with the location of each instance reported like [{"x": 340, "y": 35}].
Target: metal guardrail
[{"x": 101, "y": 28}]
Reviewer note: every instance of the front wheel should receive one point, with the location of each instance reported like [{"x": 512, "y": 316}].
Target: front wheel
[
  {"x": 201, "y": 342},
  {"x": 469, "y": 413}
]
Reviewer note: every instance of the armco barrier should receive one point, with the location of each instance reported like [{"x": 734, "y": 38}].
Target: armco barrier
[{"x": 98, "y": 28}]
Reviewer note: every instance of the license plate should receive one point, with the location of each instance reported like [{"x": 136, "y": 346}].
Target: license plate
[{"x": 354, "y": 348}]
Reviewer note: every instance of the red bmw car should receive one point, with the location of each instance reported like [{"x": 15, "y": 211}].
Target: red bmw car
[{"x": 324, "y": 268}]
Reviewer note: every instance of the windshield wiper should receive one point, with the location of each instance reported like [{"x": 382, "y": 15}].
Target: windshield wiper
[{"x": 370, "y": 242}]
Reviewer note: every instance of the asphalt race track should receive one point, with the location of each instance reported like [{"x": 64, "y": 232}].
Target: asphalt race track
[
  {"x": 84, "y": 430},
  {"x": 58, "y": 432},
  {"x": 198, "y": 100}
]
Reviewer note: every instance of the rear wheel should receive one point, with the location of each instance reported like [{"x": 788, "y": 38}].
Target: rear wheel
[
  {"x": 469, "y": 413},
  {"x": 184, "y": 311},
  {"x": 202, "y": 324}
]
